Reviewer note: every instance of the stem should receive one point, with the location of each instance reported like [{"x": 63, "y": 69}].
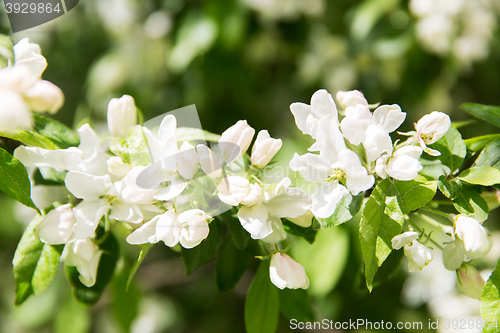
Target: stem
[{"x": 420, "y": 230}]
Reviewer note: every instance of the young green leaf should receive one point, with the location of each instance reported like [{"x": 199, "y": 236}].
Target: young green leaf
[
  {"x": 490, "y": 301},
  {"x": 416, "y": 193},
  {"x": 31, "y": 139},
  {"x": 90, "y": 295},
  {"x": 344, "y": 211},
  {"x": 450, "y": 189},
  {"x": 470, "y": 202},
  {"x": 35, "y": 263},
  {"x": 452, "y": 148},
  {"x": 382, "y": 219},
  {"x": 490, "y": 156},
  {"x": 58, "y": 133},
  {"x": 478, "y": 143},
  {"x": 490, "y": 114},
  {"x": 485, "y": 176},
  {"x": 309, "y": 234},
  {"x": 230, "y": 264},
  {"x": 6, "y": 50},
  {"x": 262, "y": 304},
  {"x": 294, "y": 304},
  {"x": 203, "y": 253},
  {"x": 14, "y": 180}
]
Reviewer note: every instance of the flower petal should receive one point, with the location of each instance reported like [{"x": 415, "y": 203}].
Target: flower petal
[
  {"x": 86, "y": 186},
  {"x": 326, "y": 197},
  {"x": 314, "y": 168},
  {"x": 255, "y": 220},
  {"x": 88, "y": 214}
]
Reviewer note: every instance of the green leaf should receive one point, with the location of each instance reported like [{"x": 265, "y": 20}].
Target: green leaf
[
  {"x": 125, "y": 299},
  {"x": 240, "y": 236},
  {"x": 195, "y": 134},
  {"x": 309, "y": 234},
  {"x": 262, "y": 304},
  {"x": 347, "y": 207},
  {"x": 433, "y": 168},
  {"x": 31, "y": 139},
  {"x": 90, "y": 295},
  {"x": 490, "y": 114},
  {"x": 14, "y": 180},
  {"x": 450, "y": 189},
  {"x": 485, "y": 176},
  {"x": 294, "y": 304},
  {"x": 382, "y": 219},
  {"x": 388, "y": 268},
  {"x": 416, "y": 193},
  {"x": 452, "y": 148},
  {"x": 134, "y": 149},
  {"x": 325, "y": 260},
  {"x": 470, "y": 202},
  {"x": 35, "y": 263},
  {"x": 58, "y": 133},
  {"x": 490, "y": 156},
  {"x": 490, "y": 301},
  {"x": 478, "y": 143},
  {"x": 50, "y": 177},
  {"x": 203, "y": 253},
  {"x": 6, "y": 50},
  {"x": 138, "y": 261},
  {"x": 230, "y": 264}
]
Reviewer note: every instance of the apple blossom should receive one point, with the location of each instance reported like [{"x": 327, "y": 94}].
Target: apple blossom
[
  {"x": 351, "y": 98},
  {"x": 122, "y": 115},
  {"x": 14, "y": 113},
  {"x": 239, "y": 134},
  {"x": 29, "y": 55},
  {"x": 85, "y": 256},
  {"x": 287, "y": 273},
  {"x": 264, "y": 149},
  {"x": 58, "y": 226},
  {"x": 476, "y": 243},
  {"x": 402, "y": 165},
  {"x": 208, "y": 161},
  {"x": 236, "y": 190},
  {"x": 431, "y": 128},
  {"x": 418, "y": 256},
  {"x": 44, "y": 96},
  {"x": 406, "y": 238}
]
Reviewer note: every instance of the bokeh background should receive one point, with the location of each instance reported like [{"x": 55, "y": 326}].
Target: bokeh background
[{"x": 250, "y": 59}]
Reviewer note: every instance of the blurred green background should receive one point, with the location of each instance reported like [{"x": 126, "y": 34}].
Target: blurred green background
[{"x": 250, "y": 59}]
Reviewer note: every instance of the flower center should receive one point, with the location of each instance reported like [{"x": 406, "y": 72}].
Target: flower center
[
  {"x": 337, "y": 174},
  {"x": 427, "y": 137}
]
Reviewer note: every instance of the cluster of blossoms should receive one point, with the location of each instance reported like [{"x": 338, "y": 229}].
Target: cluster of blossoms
[
  {"x": 22, "y": 90},
  {"x": 463, "y": 28}
]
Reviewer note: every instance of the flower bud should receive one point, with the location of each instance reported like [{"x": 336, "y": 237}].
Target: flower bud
[
  {"x": 194, "y": 227},
  {"x": 476, "y": 243},
  {"x": 453, "y": 255},
  {"x": 14, "y": 113},
  {"x": 85, "y": 256},
  {"x": 264, "y": 149},
  {"x": 122, "y": 114},
  {"x": 351, "y": 98},
  {"x": 44, "y": 96},
  {"x": 469, "y": 281},
  {"x": 418, "y": 256},
  {"x": 29, "y": 55},
  {"x": 406, "y": 238},
  {"x": 286, "y": 272},
  {"x": 240, "y": 134}
]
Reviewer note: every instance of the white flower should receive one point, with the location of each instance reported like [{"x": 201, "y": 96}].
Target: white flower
[
  {"x": 14, "y": 113},
  {"x": 418, "y": 256},
  {"x": 44, "y": 96},
  {"x": 287, "y": 273},
  {"x": 58, "y": 226},
  {"x": 403, "y": 165},
  {"x": 236, "y": 190},
  {"x": 117, "y": 167},
  {"x": 122, "y": 114},
  {"x": 189, "y": 229},
  {"x": 29, "y": 55},
  {"x": 307, "y": 117},
  {"x": 475, "y": 240},
  {"x": 239, "y": 134},
  {"x": 406, "y": 238},
  {"x": 85, "y": 256},
  {"x": 18, "y": 79},
  {"x": 470, "y": 282},
  {"x": 431, "y": 128},
  {"x": 264, "y": 149},
  {"x": 209, "y": 161},
  {"x": 351, "y": 98}
]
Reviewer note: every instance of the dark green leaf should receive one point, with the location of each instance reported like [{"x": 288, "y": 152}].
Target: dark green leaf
[
  {"x": 262, "y": 304},
  {"x": 343, "y": 212},
  {"x": 230, "y": 264},
  {"x": 388, "y": 268},
  {"x": 416, "y": 193},
  {"x": 309, "y": 234},
  {"x": 35, "y": 263},
  {"x": 14, "y": 180},
  {"x": 452, "y": 148},
  {"x": 240, "y": 236},
  {"x": 490, "y": 301},
  {"x": 90, "y": 295},
  {"x": 58, "y": 133},
  {"x": 31, "y": 139},
  {"x": 203, "y": 253},
  {"x": 450, "y": 189},
  {"x": 126, "y": 299},
  {"x": 490, "y": 114},
  {"x": 470, "y": 202},
  {"x": 478, "y": 143},
  {"x": 490, "y": 156},
  {"x": 382, "y": 219},
  {"x": 294, "y": 304},
  {"x": 138, "y": 261},
  {"x": 485, "y": 176}
]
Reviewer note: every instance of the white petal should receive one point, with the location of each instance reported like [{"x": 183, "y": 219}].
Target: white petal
[
  {"x": 255, "y": 220},
  {"x": 314, "y": 168},
  {"x": 125, "y": 212},
  {"x": 322, "y": 104},
  {"x": 356, "y": 121},
  {"x": 195, "y": 228},
  {"x": 168, "y": 228},
  {"x": 403, "y": 239},
  {"x": 453, "y": 256},
  {"x": 14, "y": 112},
  {"x": 389, "y": 116},
  {"x": 326, "y": 197},
  {"x": 188, "y": 163},
  {"x": 286, "y": 272},
  {"x": 86, "y": 186},
  {"x": 330, "y": 139},
  {"x": 88, "y": 214},
  {"x": 170, "y": 192},
  {"x": 60, "y": 159},
  {"x": 89, "y": 142},
  {"x": 208, "y": 161},
  {"x": 377, "y": 142},
  {"x": 278, "y": 233},
  {"x": 303, "y": 117},
  {"x": 57, "y": 226},
  {"x": 145, "y": 234},
  {"x": 167, "y": 128},
  {"x": 292, "y": 203},
  {"x": 357, "y": 177}
]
